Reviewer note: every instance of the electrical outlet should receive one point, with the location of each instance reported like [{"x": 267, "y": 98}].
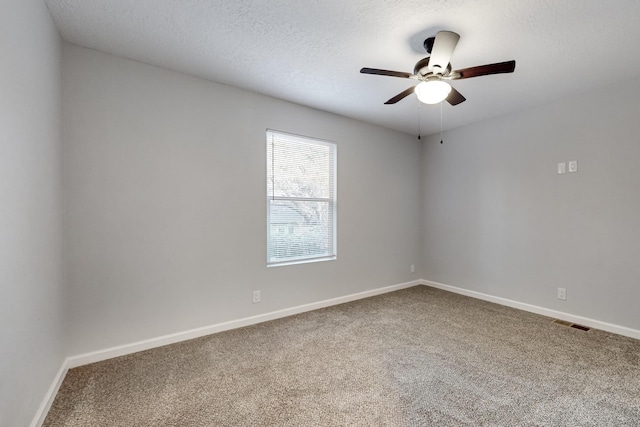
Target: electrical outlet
[
  {"x": 256, "y": 296},
  {"x": 573, "y": 166},
  {"x": 562, "y": 293},
  {"x": 412, "y": 268}
]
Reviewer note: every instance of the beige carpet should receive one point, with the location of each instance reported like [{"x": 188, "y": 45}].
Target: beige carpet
[{"x": 415, "y": 357}]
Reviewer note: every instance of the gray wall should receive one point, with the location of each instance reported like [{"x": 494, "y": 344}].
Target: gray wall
[
  {"x": 165, "y": 184},
  {"x": 31, "y": 294},
  {"x": 498, "y": 219}
]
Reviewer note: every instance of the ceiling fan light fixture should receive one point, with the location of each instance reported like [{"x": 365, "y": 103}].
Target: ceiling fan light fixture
[{"x": 432, "y": 91}]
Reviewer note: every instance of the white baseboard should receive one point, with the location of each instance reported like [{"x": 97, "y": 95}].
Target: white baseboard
[
  {"x": 96, "y": 356},
  {"x": 43, "y": 410},
  {"x": 122, "y": 350},
  {"x": 592, "y": 323}
]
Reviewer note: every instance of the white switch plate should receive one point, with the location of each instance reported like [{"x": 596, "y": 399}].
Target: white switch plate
[
  {"x": 562, "y": 167},
  {"x": 573, "y": 166}
]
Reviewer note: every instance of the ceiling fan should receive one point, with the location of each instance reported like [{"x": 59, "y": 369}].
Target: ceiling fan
[{"x": 433, "y": 71}]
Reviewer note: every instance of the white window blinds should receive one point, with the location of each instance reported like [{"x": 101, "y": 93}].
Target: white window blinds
[{"x": 301, "y": 199}]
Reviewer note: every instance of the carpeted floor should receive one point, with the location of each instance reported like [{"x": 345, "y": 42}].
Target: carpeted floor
[{"x": 415, "y": 357}]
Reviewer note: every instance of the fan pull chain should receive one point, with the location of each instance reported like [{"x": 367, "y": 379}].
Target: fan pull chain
[
  {"x": 441, "y": 122},
  {"x": 419, "y": 120}
]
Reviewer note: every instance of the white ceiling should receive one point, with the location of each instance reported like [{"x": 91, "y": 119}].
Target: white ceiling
[{"x": 310, "y": 52}]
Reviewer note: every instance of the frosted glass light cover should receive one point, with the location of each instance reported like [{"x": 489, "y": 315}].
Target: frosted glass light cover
[{"x": 433, "y": 91}]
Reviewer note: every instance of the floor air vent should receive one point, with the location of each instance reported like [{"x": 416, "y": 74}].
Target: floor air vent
[
  {"x": 571, "y": 325},
  {"x": 582, "y": 328}
]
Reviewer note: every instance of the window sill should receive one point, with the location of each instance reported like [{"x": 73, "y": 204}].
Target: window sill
[{"x": 301, "y": 261}]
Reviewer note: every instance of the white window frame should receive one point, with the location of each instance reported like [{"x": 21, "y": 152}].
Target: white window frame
[{"x": 331, "y": 200}]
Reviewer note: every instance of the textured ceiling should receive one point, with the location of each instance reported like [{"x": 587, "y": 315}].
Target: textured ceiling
[{"x": 310, "y": 52}]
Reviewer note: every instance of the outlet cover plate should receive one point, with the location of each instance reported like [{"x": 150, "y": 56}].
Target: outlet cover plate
[{"x": 562, "y": 293}]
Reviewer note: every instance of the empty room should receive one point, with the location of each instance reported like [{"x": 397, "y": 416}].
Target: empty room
[{"x": 328, "y": 213}]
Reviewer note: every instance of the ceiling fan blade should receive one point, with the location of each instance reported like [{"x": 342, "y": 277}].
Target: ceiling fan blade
[
  {"x": 485, "y": 70},
  {"x": 401, "y": 95},
  {"x": 455, "y": 97},
  {"x": 443, "y": 47},
  {"x": 385, "y": 72}
]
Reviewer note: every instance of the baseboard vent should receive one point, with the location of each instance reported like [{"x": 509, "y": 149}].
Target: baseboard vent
[
  {"x": 582, "y": 328},
  {"x": 571, "y": 325}
]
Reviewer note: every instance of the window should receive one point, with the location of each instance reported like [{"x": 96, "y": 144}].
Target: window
[{"x": 301, "y": 199}]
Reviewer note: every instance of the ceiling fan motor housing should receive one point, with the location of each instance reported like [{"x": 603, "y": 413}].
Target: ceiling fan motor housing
[{"x": 421, "y": 67}]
